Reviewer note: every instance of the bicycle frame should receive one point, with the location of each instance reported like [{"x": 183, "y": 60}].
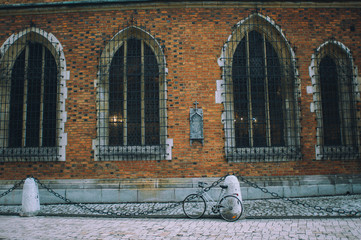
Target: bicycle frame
[{"x": 209, "y": 199}]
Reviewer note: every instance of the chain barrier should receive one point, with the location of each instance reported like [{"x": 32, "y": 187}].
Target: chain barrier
[
  {"x": 176, "y": 204},
  {"x": 119, "y": 214},
  {"x": 16, "y": 185},
  {"x": 107, "y": 212},
  {"x": 298, "y": 202}
]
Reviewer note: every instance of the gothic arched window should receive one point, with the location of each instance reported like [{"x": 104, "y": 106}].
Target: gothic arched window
[
  {"x": 335, "y": 91},
  {"x": 134, "y": 96},
  {"x": 33, "y": 98},
  {"x": 261, "y": 115},
  {"x": 257, "y": 93},
  {"x": 132, "y": 99},
  {"x": 32, "y": 91}
]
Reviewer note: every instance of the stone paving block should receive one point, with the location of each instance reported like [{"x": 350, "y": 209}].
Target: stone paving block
[
  {"x": 316, "y": 179},
  {"x": 181, "y": 193},
  {"x": 287, "y": 191},
  {"x": 244, "y": 193},
  {"x": 155, "y": 195},
  {"x": 84, "y": 195},
  {"x": 326, "y": 190},
  {"x": 255, "y": 193},
  {"x": 302, "y": 191},
  {"x": 356, "y": 188},
  {"x": 119, "y": 195},
  {"x": 15, "y": 197},
  {"x": 175, "y": 183},
  {"x": 47, "y": 197},
  {"x": 343, "y": 189},
  {"x": 343, "y": 179}
]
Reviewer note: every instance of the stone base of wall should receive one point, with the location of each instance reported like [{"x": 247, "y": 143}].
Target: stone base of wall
[{"x": 176, "y": 189}]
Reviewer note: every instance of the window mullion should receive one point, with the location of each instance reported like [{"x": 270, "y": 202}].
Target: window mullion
[
  {"x": 27, "y": 49},
  {"x": 344, "y": 101},
  {"x": 249, "y": 95},
  {"x": 42, "y": 98},
  {"x": 125, "y": 89},
  {"x": 320, "y": 129},
  {"x": 268, "y": 119},
  {"x": 142, "y": 89}
]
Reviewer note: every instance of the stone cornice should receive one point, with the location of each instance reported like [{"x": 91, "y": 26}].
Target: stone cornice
[{"x": 108, "y": 5}]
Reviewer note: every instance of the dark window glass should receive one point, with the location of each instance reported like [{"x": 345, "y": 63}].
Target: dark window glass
[
  {"x": 134, "y": 96},
  {"x": 330, "y": 102},
  {"x": 240, "y": 95},
  {"x": 258, "y": 108},
  {"x": 134, "y": 73},
  {"x": 50, "y": 101},
  {"x": 151, "y": 97},
  {"x": 17, "y": 102},
  {"x": 116, "y": 105},
  {"x": 257, "y": 80},
  {"x": 33, "y": 98},
  {"x": 275, "y": 97}
]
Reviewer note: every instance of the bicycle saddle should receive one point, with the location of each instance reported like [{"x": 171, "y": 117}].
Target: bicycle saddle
[{"x": 223, "y": 186}]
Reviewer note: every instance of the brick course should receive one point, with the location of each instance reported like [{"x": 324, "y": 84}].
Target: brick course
[{"x": 193, "y": 39}]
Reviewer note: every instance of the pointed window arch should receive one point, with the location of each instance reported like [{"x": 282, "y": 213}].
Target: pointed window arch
[
  {"x": 32, "y": 88},
  {"x": 132, "y": 99},
  {"x": 261, "y": 92},
  {"x": 335, "y": 93}
]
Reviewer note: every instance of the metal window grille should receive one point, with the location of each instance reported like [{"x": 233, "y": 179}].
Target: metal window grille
[
  {"x": 335, "y": 100},
  {"x": 261, "y": 91},
  {"x": 131, "y": 95},
  {"x": 29, "y": 89}
]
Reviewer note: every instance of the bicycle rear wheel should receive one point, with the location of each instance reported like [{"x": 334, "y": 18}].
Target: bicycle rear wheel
[
  {"x": 231, "y": 208},
  {"x": 194, "y": 206}
]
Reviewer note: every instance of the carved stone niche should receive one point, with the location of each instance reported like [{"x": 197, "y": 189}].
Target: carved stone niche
[{"x": 196, "y": 124}]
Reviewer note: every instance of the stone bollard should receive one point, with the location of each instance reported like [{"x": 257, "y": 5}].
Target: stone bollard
[
  {"x": 233, "y": 186},
  {"x": 30, "y": 200},
  {"x": 233, "y": 189}
]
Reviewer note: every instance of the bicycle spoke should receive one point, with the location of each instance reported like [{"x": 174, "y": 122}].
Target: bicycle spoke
[
  {"x": 231, "y": 208},
  {"x": 194, "y": 206}
]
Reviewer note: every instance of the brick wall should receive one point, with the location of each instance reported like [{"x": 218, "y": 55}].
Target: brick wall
[{"x": 193, "y": 38}]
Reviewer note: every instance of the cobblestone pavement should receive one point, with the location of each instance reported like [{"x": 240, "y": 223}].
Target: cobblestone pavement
[
  {"x": 265, "y": 208},
  {"x": 44, "y": 227},
  {"x": 263, "y": 219}
]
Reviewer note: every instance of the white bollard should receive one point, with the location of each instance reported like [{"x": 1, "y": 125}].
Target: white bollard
[
  {"x": 233, "y": 189},
  {"x": 30, "y": 200},
  {"x": 233, "y": 186}
]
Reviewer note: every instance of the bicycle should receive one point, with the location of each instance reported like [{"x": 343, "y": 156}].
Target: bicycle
[{"x": 229, "y": 206}]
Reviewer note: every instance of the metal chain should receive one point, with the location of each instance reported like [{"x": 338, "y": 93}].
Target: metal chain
[
  {"x": 214, "y": 184},
  {"x": 119, "y": 214},
  {"x": 16, "y": 185},
  {"x": 176, "y": 204},
  {"x": 297, "y": 202}
]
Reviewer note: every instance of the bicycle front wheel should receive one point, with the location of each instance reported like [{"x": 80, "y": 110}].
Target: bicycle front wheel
[
  {"x": 231, "y": 208},
  {"x": 194, "y": 206}
]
